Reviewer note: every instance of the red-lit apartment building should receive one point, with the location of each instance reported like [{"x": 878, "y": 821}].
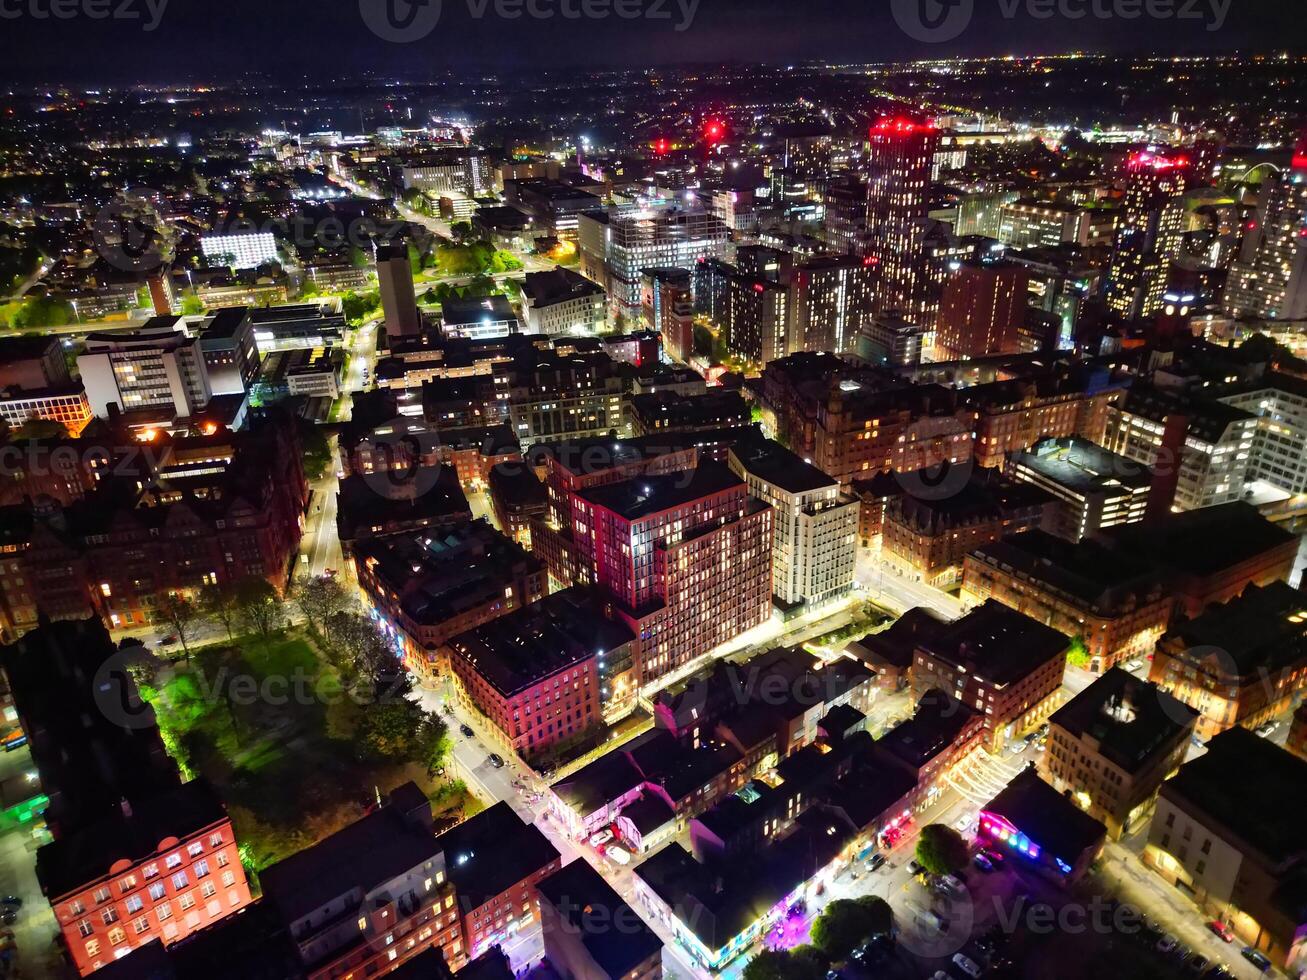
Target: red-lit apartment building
[
  {"x": 137, "y": 854},
  {"x": 685, "y": 556}
]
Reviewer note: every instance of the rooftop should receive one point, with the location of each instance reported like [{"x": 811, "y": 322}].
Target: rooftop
[
  {"x": 640, "y": 497},
  {"x": 1084, "y": 467},
  {"x": 1132, "y": 721},
  {"x": 613, "y": 934},
  {"x": 1240, "y": 769},
  {"x": 772, "y": 463},
  {"x": 489, "y": 853},
  {"x": 524, "y": 647},
  {"x": 997, "y": 643},
  {"x": 1203, "y": 541},
  {"x": 556, "y": 286},
  {"x": 1262, "y": 630},
  {"x": 1048, "y": 818}
]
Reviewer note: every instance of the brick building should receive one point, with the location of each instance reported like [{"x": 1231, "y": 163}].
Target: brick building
[
  {"x": 1013, "y": 415},
  {"x": 1000, "y": 662},
  {"x": 1116, "y": 604},
  {"x": 428, "y": 587}
]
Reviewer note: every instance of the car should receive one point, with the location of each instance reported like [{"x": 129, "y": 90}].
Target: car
[
  {"x": 964, "y": 823},
  {"x": 876, "y": 862},
  {"x": 1133, "y": 665},
  {"x": 467, "y": 731},
  {"x": 1167, "y": 943},
  {"x": 832, "y": 975},
  {"x": 495, "y": 760},
  {"x": 601, "y": 837},
  {"x": 953, "y": 883},
  {"x": 13, "y": 744},
  {"x": 983, "y": 863},
  {"x": 995, "y": 857},
  {"x": 617, "y": 854},
  {"x": 1221, "y": 930},
  {"x": 1197, "y": 964},
  {"x": 9, "y": 916},
  {"x": 941, "y": 975},
  {"x": 914, "y": 868},
  {"x": 12, "y": 900},
  {"x": 1256, "y": 958},
  {"x": 967, "y": 965},
  {"x": 1267, "y": 730}
]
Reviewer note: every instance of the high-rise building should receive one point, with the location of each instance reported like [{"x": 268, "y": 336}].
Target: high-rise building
[
  {"x": 667, "y": 306},
  {"x": 1029, "y": 223},
  {"x": 759, "y": 319},
  {"x": 1269, "y": 279},
  {"x": 982, "y": 311},
  {"x": 615, "y": 249},
  {"x": 563, "y": 301},
  {"x": 1148, "y": 233},
  {"x": 685, "y": 556},
  {"x": 890, "y": 339},
  {"x": 815, "y": 538},
  {"x": 898, "y": 192},
  {"x": 831, "y": 300},
  {"x": 398, "y": 301},
  {"x": 158, "y": 366}
]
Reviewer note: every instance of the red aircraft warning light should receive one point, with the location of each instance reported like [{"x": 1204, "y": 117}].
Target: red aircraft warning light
[
  {"x": 899, "y": 126},
  {"x": 661, "y": 145},
  {"x": 1147, "y": 160},
  {"x": 714, "y": 130}
]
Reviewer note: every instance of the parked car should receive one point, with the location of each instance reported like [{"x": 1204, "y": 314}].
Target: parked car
[
  {"x": 995, "y": 856},
  {"x": 953, "y": 883},
  {"x": 601, "y": 837},
  {"x": 12, "y": 744},
  {"x": 12, "y": 900},
  {"x": 1167, "y": 943},
  {"x": 1223, "y": 931},
  {"x": 9, "y": 916},
  {"x": 967, "y": 965},
  {"x": 983, "y": 863},
  {"x": 915, "y": 869},
  {"x": 495, "y": 760},
  {"x": 876, "y": 862},
  {"x": 1256, "y": 958},
  {"x": 617, "y": 854},
  {"x": 1197, "y": 964},
  {"x": 467, "y": 731}
]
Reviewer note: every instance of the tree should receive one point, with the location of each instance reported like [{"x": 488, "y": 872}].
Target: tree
[
  {"x": 218, "y": 604},
  {"x": 941, "y": 850},
  {"x": 317, "y": 450},
  {"x": 182, "y": 615},
  {"x": 462, "y": 231},
  {"x": 258, "y": 607},
  {"x": 847, "y": 923},
  {"x": 779, "y": 964},
  {"x": 399, "y": 730},
  {"x": 1077, "y": 654},
  {"x": 319, "y": 599},
  {"x": 192, "y": 305},
  {"x": 34, "y": 430}
]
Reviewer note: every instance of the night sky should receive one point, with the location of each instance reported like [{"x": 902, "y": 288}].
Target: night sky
[{"x": 225, "y": 39}]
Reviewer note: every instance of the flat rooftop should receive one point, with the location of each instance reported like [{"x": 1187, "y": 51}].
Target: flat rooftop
[
  {"x": 1132, "y": 720},
  {"x": 996, "y": 643},
  {"x": 640, "y": 497},
  {"x": 1085, "y": 467},
  {"x": 772, "y": 463}
]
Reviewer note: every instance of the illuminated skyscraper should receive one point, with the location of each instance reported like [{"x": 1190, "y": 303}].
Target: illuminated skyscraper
[
  {"x": 983, "y": 309},
  {"x": 898, "y": 186},
  {"x": 1148, "y": 235},
  {"x": 1269, "y": 279}
]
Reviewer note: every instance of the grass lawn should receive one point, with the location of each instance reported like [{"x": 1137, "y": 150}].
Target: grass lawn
[{"x": 268, "y": 724}]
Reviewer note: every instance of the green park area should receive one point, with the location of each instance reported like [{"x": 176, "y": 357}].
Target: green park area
[{"x": 299, "y": 730}]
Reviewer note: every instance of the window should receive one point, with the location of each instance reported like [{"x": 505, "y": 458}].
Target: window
[
  {"x": 101, "y": 895},
  {"x": 128, "y": 883},
  {"x": 172, "y": 860},
  {"x": 93, "y": 947},
  {"x": 180, "y": 881},
  {"x": 76, "y": 908},
  {"x": 85, "y": 927},
  {"x": 141, "y": 925},
  {"x": 221, "y": 859},
  {"x": 109, "y": 915},
  {"x": 157, "y": 891},
  {"x": 150, "y": 870},
  {"x": 117, "y": 936},
  {"x": 196, "y": 849},
  {"x": 215, "y": 840},
  {"x": 207, "y": 889},
  {"x": 164, "y": 912},
  {"x": 186, "y": 901},
  {"x": 201, "y": 868},
  {"x": 228, "y": 879},
  {"x": 133, "y": 904}
]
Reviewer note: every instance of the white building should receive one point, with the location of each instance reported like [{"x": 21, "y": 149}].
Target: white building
[
  {"x": 815, "y": 538},
  {"x": 563, "y": 302},
  {"x": 156, "y": 366},
  {"x": 1279, "y": 452},
  {"x": 240, "y": 251}
]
